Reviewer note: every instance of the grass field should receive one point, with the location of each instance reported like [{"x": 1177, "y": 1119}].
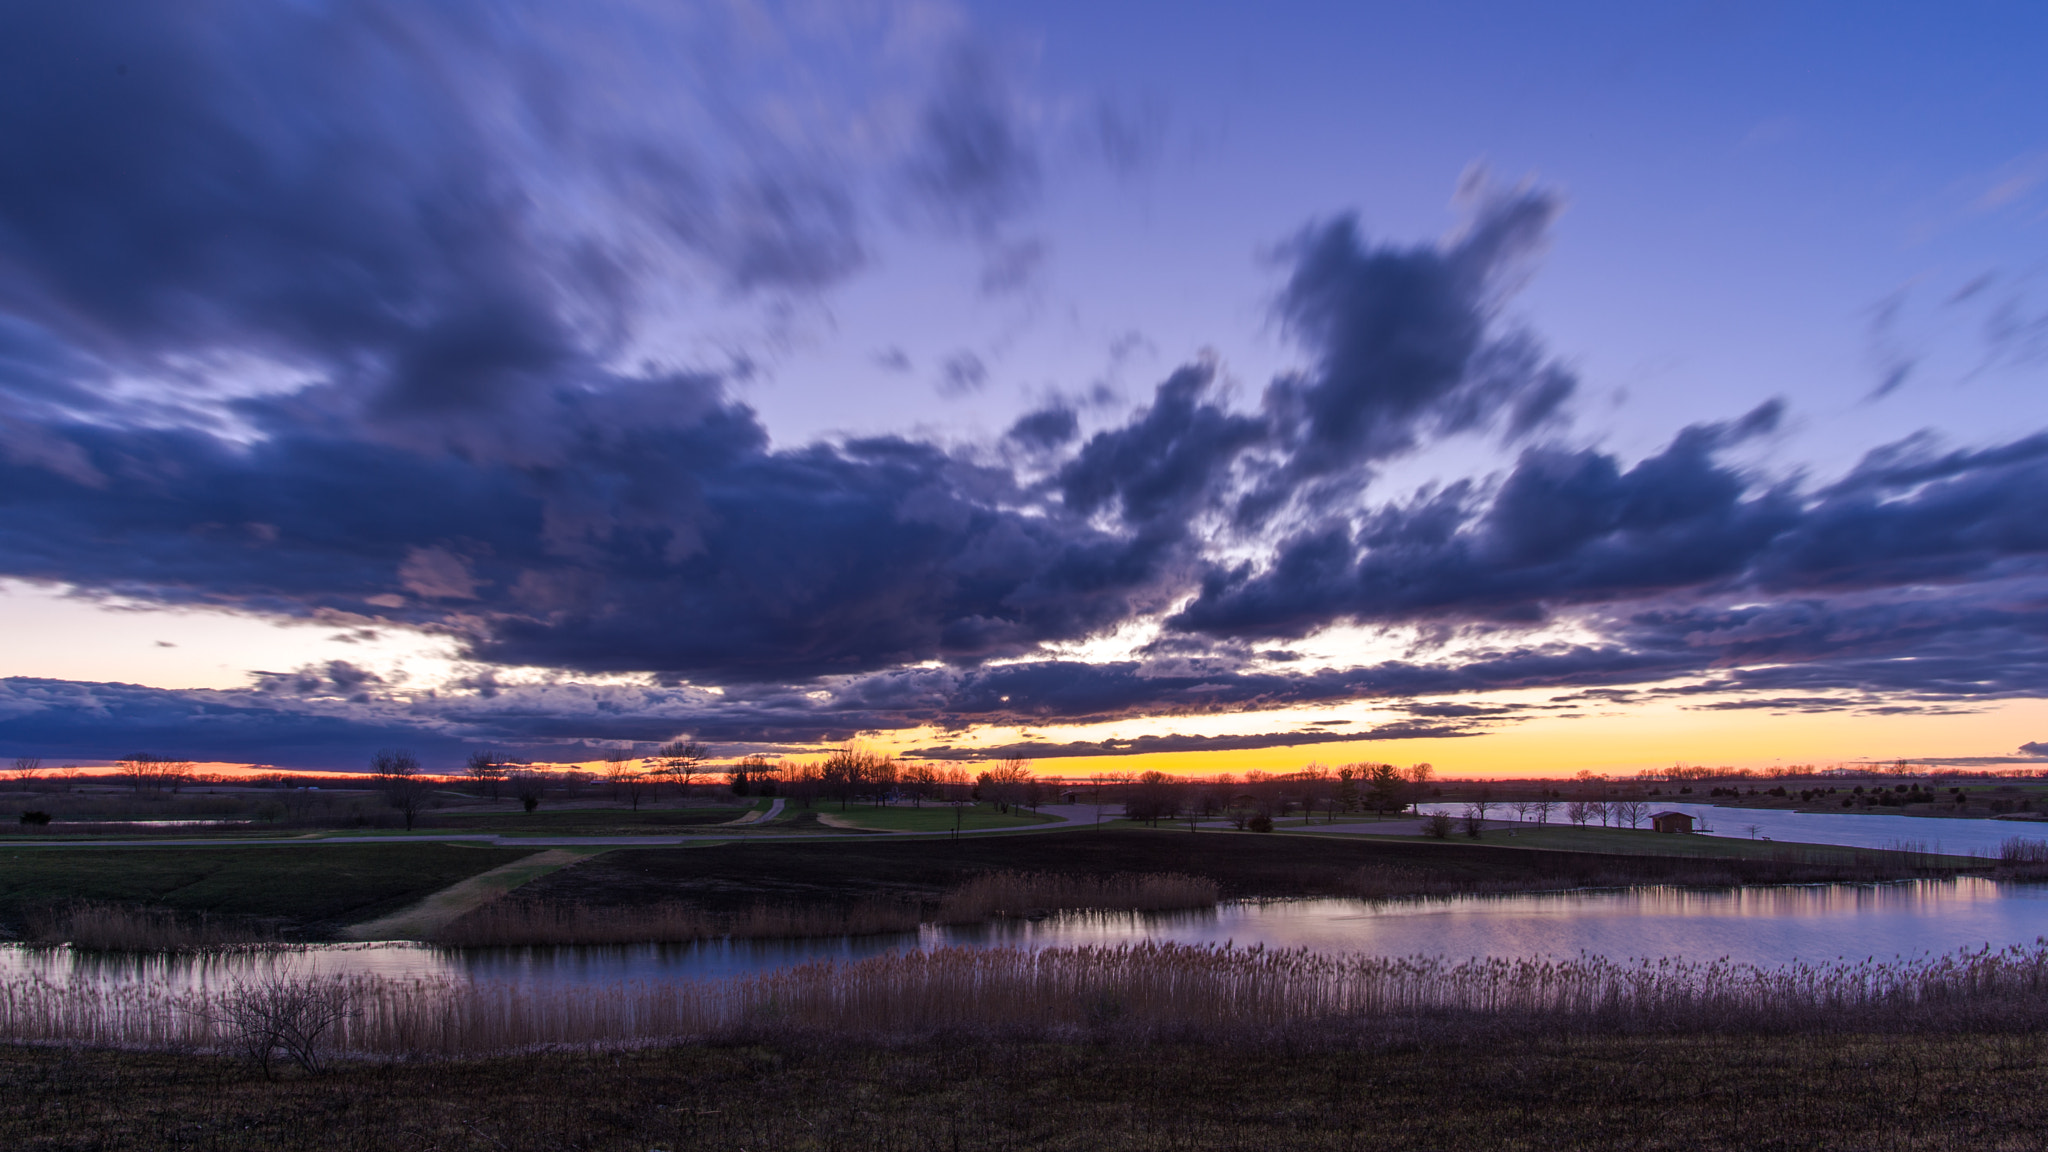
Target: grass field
[
  {"x": 737, "y": 875},
  {"x": 1926, "y": 1092},
  {"x": 931, "y": 818},
  {"x": 309, "y": 892}
]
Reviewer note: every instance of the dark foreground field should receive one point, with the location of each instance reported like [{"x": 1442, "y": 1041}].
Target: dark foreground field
[
  {"x": 1799, "y": 1092},
  {"x": 1242, "y": 864},
  {"x": 303, "y": 893}
]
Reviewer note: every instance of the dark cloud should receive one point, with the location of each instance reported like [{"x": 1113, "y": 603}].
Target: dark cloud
[
  {"x": 1046, "y": 428},
  {"x": 431, "y": 247},
  {"x": 1041, "y": 749},
  {"x": 962, "y": 374},
  {"x": 976, "y": 164}
]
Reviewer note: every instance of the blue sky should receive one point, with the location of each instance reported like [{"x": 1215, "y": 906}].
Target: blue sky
[{"x": 1179, "y": 381}]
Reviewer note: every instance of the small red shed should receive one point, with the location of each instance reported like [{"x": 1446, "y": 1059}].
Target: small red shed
[{"x": 1671, "y": 822}]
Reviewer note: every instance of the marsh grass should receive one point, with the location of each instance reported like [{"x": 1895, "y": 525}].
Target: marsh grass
[
  {"x": 992, "y": 895},
  {"x": 127, "y": 928},
  {"x": 517, "y": 923},
  {"x": 1144, "y": 992}
]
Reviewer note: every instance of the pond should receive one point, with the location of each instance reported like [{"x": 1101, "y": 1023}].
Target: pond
[
  {"x": 1754, "y": 925},
  {"x": 1961, "y": 836}
]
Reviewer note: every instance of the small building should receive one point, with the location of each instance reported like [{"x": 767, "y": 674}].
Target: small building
[{"x": 1671, "y": 822}]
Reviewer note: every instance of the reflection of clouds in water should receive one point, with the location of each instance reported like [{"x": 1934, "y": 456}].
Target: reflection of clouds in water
[
  {"x": 1764, "y": 926},
  {"x": 1962, "y": 836}
]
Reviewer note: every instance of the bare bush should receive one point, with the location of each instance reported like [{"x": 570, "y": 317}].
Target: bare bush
[{"x": 283, "y": 1016}]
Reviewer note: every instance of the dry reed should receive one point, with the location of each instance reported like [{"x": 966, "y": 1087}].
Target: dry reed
[
  {"x": 125, "y": 928},
  {"x": 995, "y": 894},
  {"x": 510, "y": 923},
  {"x": 1144, "y": 991}
]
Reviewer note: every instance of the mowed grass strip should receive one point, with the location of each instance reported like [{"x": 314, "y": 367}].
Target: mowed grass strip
[
  {"x": 1674, "y": 1094},
  {"x": 310, "y": 890},
  {"x": 587, "y": 821}
]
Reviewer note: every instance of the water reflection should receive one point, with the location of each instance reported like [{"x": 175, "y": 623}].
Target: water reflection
[
  {"x": 1960, "y": 836},
  {"x": 1765, "y": 926}
]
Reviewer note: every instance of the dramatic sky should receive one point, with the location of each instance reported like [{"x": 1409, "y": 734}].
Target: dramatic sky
[{"x": 1522, "y": 388}]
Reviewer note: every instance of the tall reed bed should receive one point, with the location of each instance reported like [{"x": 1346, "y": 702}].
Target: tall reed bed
[
  {"x": 1134, "y": 991},
  {"x": 996, "y": 894},
  {"x": 505, "y": 923},
  {"x": 126, "y": 928}
]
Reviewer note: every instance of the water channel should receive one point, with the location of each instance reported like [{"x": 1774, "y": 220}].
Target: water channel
[{"x": 1765, "y": 926}]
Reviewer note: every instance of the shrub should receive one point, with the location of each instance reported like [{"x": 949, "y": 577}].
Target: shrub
[
  {"x": 35, "y": 818},
  {"x": 1260, "y": 823},
  {"x": 1438, "y": 825}
]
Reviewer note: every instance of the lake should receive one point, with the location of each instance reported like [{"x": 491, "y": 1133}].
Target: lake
[
  {"x": 1763, "y": 926},
  {"x": 1959, "y": 836}
]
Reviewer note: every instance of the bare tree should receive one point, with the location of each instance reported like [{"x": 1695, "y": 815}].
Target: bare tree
[
  {"x": 528, "y": 787},
  {"x": 1599, "y": 808},
  {"x": 1577, "y": 812},
  {"x": 679, "y": 761},
  {"x": 1543, "y": 808},
  {"x": 1630, "y": 811},
  {"x": 398, "y": 774},
  {"x": 26, "y": 769},
  {"x": 146, "y": 773},
  {"x": 484, "y": 767}
]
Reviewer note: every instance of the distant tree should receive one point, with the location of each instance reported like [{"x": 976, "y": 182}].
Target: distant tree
[
  {"x": 1153, "y": 797},
  {"x": 617, "y": 768},
  {"x": 398, "y": 777},
  {"x": 484, "y": 767},
  {"x": 1006, "y": 783},
  {"x": 147, "y": 773},
  {"x": 1421, "y": 774},
  {"x": 1598, "y": 808},
  {"x": 678, "y": 762},
  {"x": 1387, "y": 791},
  {"x": 528, "y": 787},
  {"x": 26, "y": 769},
  {"x": 1630, "y": 811},
  {"x": 1542, "y": 808},
  {"x": 918, "y": 780},
  {"x": 1347, "y": 787},
  {"x": 1577, "y": 811}
]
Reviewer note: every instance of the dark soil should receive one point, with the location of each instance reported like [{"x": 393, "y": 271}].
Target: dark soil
[{"x": 1672, "y": 1094}]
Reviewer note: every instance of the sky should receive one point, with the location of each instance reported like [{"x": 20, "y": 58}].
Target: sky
[{"x": 1522, "y": 389}]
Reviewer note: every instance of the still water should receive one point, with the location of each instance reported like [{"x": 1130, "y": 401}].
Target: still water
[
  {"x": 1957, "y": 836},
  {"x": 1765, "y": 926}
]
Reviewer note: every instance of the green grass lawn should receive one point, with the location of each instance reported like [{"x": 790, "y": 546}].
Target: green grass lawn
[
  {"x": 932, "y": 817},
  {"x": 311, "y": 891}
]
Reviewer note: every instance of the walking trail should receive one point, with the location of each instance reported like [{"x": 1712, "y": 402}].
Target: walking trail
[{"x": 420, "y": 921}]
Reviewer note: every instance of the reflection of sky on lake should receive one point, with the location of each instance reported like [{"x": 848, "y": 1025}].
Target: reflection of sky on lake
[
  {"x": 1961, "y": 836},
  {"x": 1765, "y": 926}
]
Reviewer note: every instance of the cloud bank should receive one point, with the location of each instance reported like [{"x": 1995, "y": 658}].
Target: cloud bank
[{"x": 345, "y": 311}]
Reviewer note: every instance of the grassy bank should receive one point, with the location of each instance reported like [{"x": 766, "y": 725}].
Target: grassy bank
[
  {"x": 306, "y": 893},
  {"x": 1788, "y": 1092},
  {"x": 737, "y": 876},
  {"x": 589, "y": 821}
]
